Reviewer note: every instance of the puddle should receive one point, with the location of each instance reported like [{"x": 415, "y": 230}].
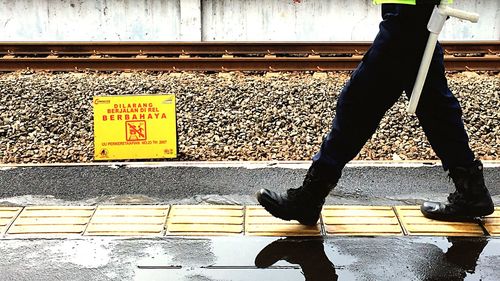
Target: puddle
[
  {"x": 337, "y": 258},
  {"x": 462, "y": 258},
  {"x": 214, "y": 199},
  {"x": 27, "y": 200},
  {"x": 247, "y": 258}
]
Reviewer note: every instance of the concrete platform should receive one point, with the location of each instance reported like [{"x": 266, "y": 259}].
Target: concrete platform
[
  {"x": 222, "y": 183},
  {"x": 185, "y": 221}
]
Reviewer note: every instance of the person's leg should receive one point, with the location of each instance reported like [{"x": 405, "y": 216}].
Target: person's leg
[
  {"x": 377, "y": 83},
  {"x": 373, "y": 88},
  {"x": 440, "y": 115}
]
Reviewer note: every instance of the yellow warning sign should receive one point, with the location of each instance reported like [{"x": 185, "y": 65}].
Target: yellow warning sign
[{"x": 134, "y": 127}]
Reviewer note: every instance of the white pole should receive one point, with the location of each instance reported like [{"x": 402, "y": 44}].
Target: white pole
[
  {"x": 435, "y": 25},
  {"x": 422, "y": 72}
]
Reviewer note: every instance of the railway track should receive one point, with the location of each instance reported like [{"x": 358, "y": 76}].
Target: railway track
[{"x": 221, "y": 56}]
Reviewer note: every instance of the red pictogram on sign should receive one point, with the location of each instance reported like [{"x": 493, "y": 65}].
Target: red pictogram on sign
[{"x": 136, "y": 130}]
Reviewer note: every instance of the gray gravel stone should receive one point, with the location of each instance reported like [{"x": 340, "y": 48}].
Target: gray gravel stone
[{"x": 46, "y": 118}]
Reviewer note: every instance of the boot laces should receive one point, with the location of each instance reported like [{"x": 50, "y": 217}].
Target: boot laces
[
  {"x": 457, "y": 198},
  {"x": 293, "y": 193},
  {"x": 300, "y": 194},
  {"x": 305, "y": 193},
  {"x": 458, "y": 181},
  {"x": 468, "y": 183}
]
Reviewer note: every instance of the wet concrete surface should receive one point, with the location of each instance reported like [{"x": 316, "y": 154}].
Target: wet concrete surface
[
  {"x": 220, "y": 185},
  {"x": 251, "y": 258},
  {"x": 237, "y": 258}
]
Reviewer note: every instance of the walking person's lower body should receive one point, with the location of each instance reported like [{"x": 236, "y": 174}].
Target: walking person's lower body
[{"x": 387, "y": 69}]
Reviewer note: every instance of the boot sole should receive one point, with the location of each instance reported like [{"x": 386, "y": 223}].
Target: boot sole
[
  {"x": 457, "y": 218},
  {"x": 451, "y": 219}
]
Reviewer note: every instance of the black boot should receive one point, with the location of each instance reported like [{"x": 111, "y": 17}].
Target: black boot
[
  {"x": 470, "y": 200},
  {"x": 303, "y": 204}
]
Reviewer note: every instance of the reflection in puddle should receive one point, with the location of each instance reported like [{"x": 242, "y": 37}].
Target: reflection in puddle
[
  {"x": 459, "y": 260},
  {"x": 308, "y": 254},
  {"x": 252, "y": 259},
  {"x": 318, "y": 259},
  {"x": 465, "y": 253}
]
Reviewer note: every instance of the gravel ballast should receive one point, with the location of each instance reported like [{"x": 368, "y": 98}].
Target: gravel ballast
[{"x": 48, "y": 118}]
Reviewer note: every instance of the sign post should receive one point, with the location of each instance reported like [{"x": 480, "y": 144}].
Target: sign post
[{"x": 134, "y": 127}]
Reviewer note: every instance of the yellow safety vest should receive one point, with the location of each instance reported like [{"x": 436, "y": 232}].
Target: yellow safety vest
[{"x": 408, "y": 2}]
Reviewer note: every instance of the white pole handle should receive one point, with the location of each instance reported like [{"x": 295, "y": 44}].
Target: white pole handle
[{"x": 472, "y": 17}]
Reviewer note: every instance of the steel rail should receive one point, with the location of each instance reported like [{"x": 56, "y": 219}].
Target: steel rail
[
  {"x": 177, "y": 48},
  {"x": 165, "y": 48},
  {"x": 220, "y": 56}
]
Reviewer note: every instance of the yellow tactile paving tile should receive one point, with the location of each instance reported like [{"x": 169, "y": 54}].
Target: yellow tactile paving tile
[
  {"x": 360, "y": 221},
  {"x": 223, "y": 220},
  {"x": 492, "y": 223},
  {"x": 54, "y": 220},
  {"x": 258, "y": 222},
  {"x": 416, "y": 224},
  {"x": 7, "y": 215},
  {"x": 128, "y": 220},
  {"x": 205, "y": 220}
]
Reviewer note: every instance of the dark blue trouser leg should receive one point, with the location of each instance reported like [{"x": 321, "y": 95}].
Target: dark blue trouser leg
[
  {"x": 440, "y": 116},
  {"x": 388, "y": 68}
]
